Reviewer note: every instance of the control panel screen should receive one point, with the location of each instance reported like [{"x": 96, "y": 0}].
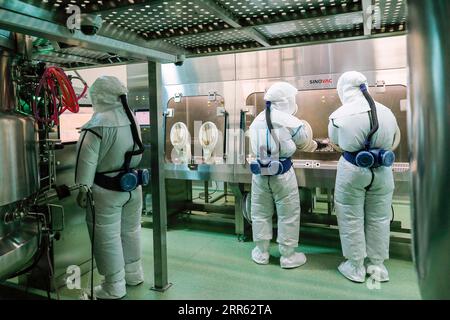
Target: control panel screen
[{"x": 143, "y": 117}]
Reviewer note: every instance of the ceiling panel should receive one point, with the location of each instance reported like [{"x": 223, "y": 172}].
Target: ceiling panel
[
  {"x": 308, "y": 27},
  {"x": 201, "y": 26}
]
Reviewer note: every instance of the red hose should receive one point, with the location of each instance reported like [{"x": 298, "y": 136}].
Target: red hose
[{"x": 55, "y": 83}]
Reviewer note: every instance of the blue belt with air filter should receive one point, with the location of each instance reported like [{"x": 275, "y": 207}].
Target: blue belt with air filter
[
  {"x": 373, "y": 158},
  {"x": 271, "y": 168},
  {"x": 368, "y": 157},
  {"x": 267, "y": 166},
  {"x": 125, "y": 181}
]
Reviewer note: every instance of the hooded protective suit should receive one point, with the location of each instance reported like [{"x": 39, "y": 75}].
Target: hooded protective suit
[
  {"x": 363, "y": 196},
  {"x": 101, "y": 148},
  {"x": 280, "y": 190}
]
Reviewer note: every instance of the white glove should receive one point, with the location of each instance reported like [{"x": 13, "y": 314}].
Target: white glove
[{"x": 310, "y": 145}]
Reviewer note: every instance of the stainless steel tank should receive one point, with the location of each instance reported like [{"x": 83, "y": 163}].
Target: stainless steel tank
[
  {"x": 19, "y": 242},
  {"x": 18, "y": 143},
  {"x": 18, "y": 158},
  {"x": 7, "y": 92},
  {"x": 19, "y": 177}
]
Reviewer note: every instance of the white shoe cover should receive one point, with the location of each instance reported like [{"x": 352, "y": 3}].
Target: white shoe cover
[
  {"x": 110, "y": 291},
  {"x": 377, "y": 271},
  {"x": 353, "y": 271},
  {"x": 296, "y": 260},
  {"x": 260, "y": 254},
  {"x": 290, "y": 259},
  {"x": 133, "y": 273}
]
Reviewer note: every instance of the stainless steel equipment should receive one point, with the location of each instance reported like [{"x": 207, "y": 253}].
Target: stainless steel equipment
[
  {"x": 19, "y": 158},
  {"x": 194, "y": 111},
  {"x": 18, "y": 142},
  {"x": 240, "y": 80},
  {"x": 73, "y": 247},
  {"x": 18, "y": 175},
  {"x": 188, "y": 28},
  {"x": 7, "y": 92},
  {"x": 19, "y": 241},
  {"x": 430, "y": 143}
]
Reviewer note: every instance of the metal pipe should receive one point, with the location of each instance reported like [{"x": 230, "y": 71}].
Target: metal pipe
[
  {"x": 158, "y": 182},
  {"x": 429, "y": 52},
  {"x": 7, "y": 90}
]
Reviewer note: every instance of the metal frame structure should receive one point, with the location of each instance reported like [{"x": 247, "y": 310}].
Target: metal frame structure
[
  {"x": 21, "y": 17},
  {"x": 158, "y": 180},
  {"x": 171, "y": 30}
]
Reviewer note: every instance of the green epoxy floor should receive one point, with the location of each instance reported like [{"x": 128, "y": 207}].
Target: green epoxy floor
[{"x": 212, "y": 265}]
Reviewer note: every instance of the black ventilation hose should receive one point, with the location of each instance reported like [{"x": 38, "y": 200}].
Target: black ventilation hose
[
  {"x": 373, "y": 111},
  {"x": 242, "y": 121},
  {"x": 225, "y": 134},
  {"x": 134, "y": 132},
  {"x": 268, "y": 119},
  {"x": 270, "y": 126},
  {"x": 242, "y": 134}
]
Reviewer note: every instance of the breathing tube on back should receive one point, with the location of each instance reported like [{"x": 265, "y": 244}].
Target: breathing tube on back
[
  {"x": 270, "y": 126},
  {"x": 269, "y": 166},
  {"x": 128, "y": 178},
  {"x": 369, "y": 157},
  {"x": 374, "y": 117},
  {"x": 134, "y": 132}
]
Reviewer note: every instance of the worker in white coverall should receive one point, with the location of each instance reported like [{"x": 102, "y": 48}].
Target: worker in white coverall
[
  {"x": 281, "y": 189},
  {"x": 103, "y": 142},
  {"x": 363, "y": 196}
]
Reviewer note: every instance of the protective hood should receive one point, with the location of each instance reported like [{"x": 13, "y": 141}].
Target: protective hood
[
  {"x": 105, "y": 93},
  {"x": 282, "y": 96},
  {"x": 349, "y": 86},
  {"x": 356, "y": 107},
  {"x": 281, "y": 119},
  {"x": 108, "y": 109},
  {"x": 351, "y": 96}
]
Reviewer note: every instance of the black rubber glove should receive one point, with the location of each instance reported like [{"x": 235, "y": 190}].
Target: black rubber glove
[{"x": 322, "y": 144}]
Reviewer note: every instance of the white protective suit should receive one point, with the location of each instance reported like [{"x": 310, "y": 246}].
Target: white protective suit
[
  {"x": 281, "y": 190},
  {"x": 101, "y": 148},
  {"x": 363, "y": 213}
]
